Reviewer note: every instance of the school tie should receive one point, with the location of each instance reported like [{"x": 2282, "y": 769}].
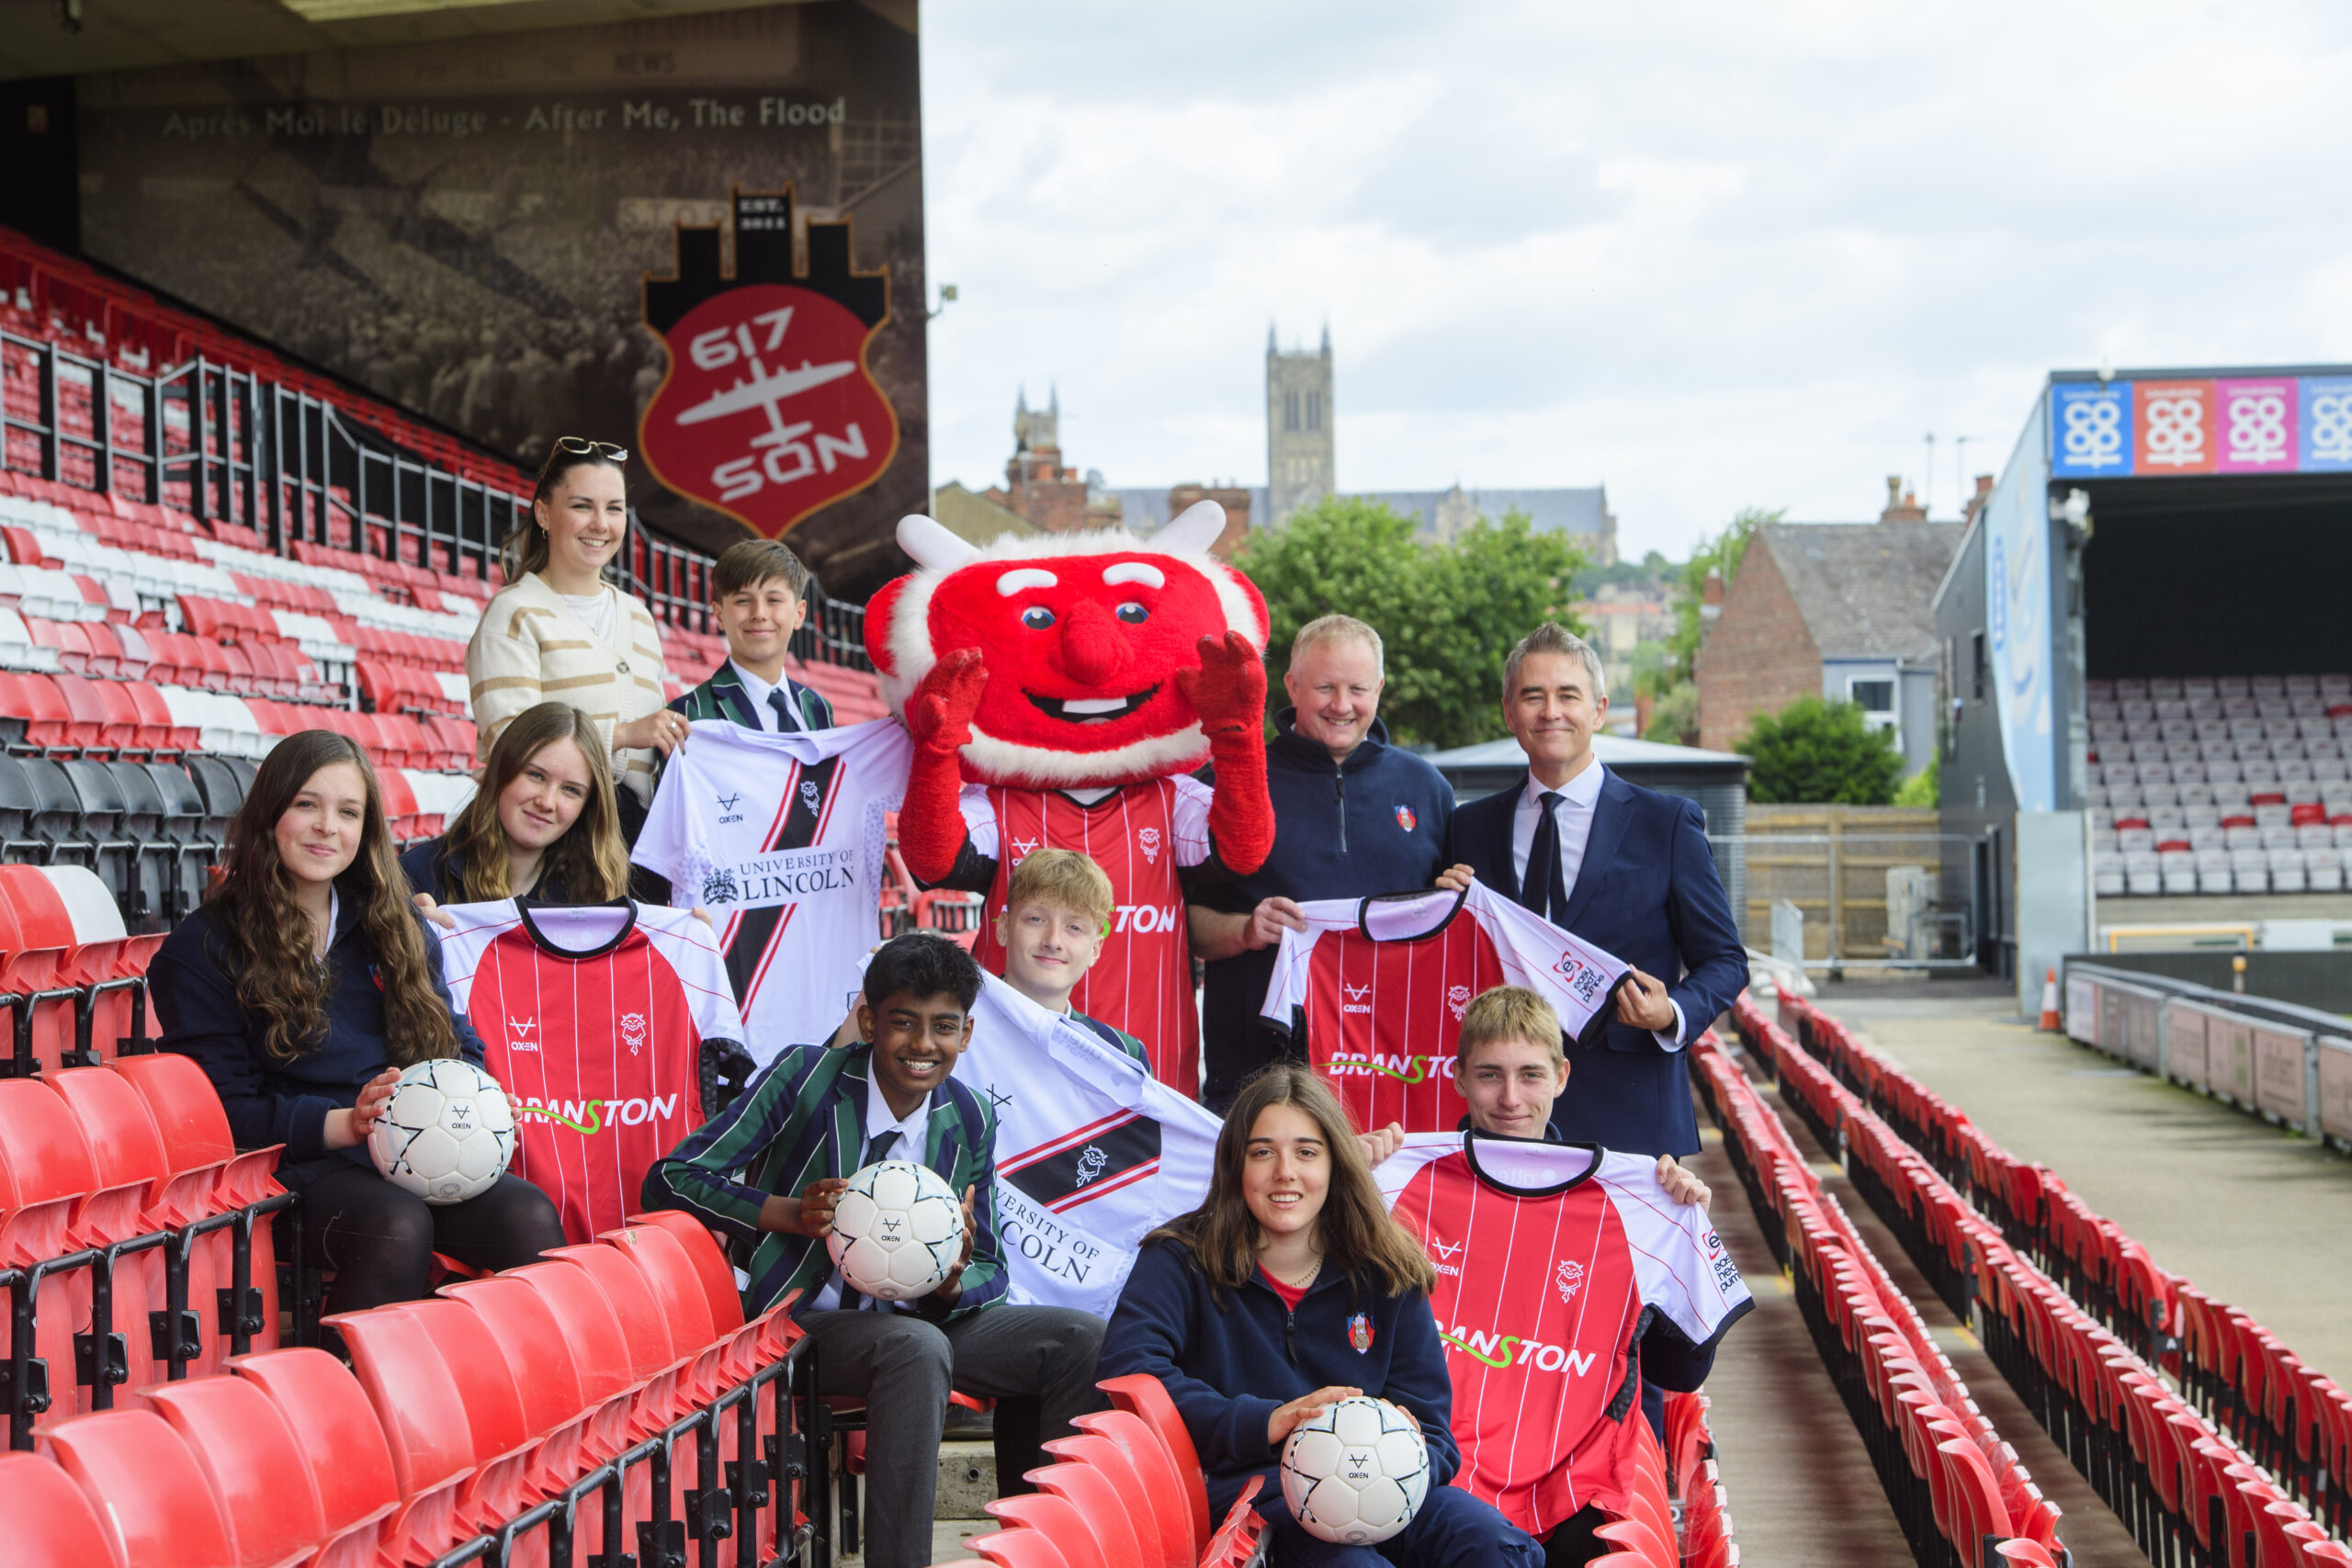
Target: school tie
[
  {"x": 786, "y": 721},
  {"x": 876, "y": 1148},
  {"x": 1544, "y": 888}
]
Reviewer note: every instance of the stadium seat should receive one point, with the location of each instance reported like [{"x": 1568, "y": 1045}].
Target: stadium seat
[
  {"x": 51, "y": 1520},
  {"x": 155, "y": 1502},
  {"x": 669, "y": 1274},
  {"x": 1146, "y": 1398},
  {"x": 351, "y": 1464},
  {"x": 585, "y": 1324},
  {"x": 253, "y": 1460},
  {"x": 1158, "y": 1515},
  {"x": 1161, "y": 1481},
  {"x": 654, "y": 1360},
  {"x": 1053, "y": 1521},
  {"x": 1107, "y": 1514}
]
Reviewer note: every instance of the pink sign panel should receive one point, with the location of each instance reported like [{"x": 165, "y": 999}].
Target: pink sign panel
[
  {"x": 2174, "y": 427},
  {"x": 2257, "y": 424}
]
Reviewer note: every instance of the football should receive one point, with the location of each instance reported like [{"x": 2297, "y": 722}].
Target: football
[
  {"x": 1354, "y": 1473},
  {"x": 897, "y": 1231},
  {"x": 448, "y": 1134}
]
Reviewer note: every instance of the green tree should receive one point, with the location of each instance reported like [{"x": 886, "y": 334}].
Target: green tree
[
  {"x": 1674, "y": 718},
  {"x": 1446, "y": 614},
  {"x": 1921, "y": 788},
  {"x": 1815, "y": 753}
]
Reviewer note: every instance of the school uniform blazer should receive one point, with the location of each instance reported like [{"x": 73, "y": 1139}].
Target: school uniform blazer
[
  {"x": 723, "y": 696},
  {"x": 1647, "y": 892},
  {"x": 801, "y": 1119}
]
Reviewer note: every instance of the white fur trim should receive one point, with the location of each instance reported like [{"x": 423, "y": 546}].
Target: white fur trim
[{"x": 1008, "y": 761}]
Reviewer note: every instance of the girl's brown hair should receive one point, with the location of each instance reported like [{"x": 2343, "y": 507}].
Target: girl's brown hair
[
  {"x": 590, "y": 862},
  {"x": 526, "y": 546},
  {"x": 1355, "y": 1230},
  {"x": 270, "y": 939}
]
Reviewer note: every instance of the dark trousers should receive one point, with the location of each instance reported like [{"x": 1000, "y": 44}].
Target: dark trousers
[
  {"x": 380, "y": 1239},
  {"x": 1453, "y": 1530},
  {"x": 903, "y": 1367}
]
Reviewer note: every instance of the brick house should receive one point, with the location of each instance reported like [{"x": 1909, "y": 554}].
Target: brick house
[{"x": 1843, "y": 610}]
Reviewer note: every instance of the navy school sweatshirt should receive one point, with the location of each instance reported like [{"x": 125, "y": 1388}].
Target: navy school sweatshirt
[{"x": 1228, "y": 1364}]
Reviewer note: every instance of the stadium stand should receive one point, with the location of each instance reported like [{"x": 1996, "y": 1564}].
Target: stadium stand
[
  {"x": 2213, "y": 1442},
  {"x": 2229, "y": 784},
  {"x": 1957, "y": 1488}
]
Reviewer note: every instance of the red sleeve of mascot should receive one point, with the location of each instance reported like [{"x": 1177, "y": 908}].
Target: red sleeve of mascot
[
  {"x": 1229, "y": 691},
  {"x": 939, "y": 717}
]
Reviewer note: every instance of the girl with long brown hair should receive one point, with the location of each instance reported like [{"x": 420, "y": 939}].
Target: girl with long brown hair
[
  {"x": 302, "y": 987},
  {"x": 1289, "y": 1289},
  {"x": 559, "y": 632},
  {"x": 544, "y": 824}
]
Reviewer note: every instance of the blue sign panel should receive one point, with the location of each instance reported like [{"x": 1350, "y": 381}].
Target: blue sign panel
[
  {"x": 2090, "y": 430},
  {"x": 2327, "y": 423}
]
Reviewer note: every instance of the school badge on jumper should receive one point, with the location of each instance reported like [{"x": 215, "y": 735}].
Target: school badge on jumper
[
  {"x": 1360, "y": 1332},
  {"x": 1404, "y": 819},
  {"x": 769, "y": 411}
]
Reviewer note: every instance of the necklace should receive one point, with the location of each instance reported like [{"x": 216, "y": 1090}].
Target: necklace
[{"x": 1301, "y": 1284}]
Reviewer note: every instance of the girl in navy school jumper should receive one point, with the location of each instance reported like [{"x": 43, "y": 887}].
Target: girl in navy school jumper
[
  {"x": 1289, "y": 1289},
  {"x": 545, "y": 823},
  {"x": 302, "y": 987}
]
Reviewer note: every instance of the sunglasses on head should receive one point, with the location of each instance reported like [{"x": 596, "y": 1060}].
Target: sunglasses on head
[{"x": 581, "y": 446}]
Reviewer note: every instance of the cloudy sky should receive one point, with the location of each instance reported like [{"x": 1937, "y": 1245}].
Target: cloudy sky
[{"x": 1712, "y": 254}]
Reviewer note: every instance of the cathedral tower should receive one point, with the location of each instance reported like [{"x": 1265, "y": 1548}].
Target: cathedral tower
[{"x": 1299, "y": 466}]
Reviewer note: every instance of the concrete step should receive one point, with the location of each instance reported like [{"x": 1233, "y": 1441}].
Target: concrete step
[{"x": 966, "y": 1486}]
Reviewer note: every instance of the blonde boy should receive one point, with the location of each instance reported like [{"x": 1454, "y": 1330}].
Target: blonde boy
[
  {"x": 1056, "y": 911},
  {"x": 1509, "y": 1067}
]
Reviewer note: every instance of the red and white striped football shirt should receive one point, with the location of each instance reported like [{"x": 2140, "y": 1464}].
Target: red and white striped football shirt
[
  {"x": 592, "y": 1019},
  {"x": 1548, "y": 1256},
  {"x": 1382, "y": 984},
  {"x": 1140, "y": 835}
]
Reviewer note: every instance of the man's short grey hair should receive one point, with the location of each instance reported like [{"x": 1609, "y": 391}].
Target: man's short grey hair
[
  {"x": 1553, "y": 637},
  {"x": 1338, "y": 629}
]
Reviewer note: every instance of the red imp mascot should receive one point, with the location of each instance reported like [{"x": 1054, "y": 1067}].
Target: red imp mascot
[{"x": 1060, "y": 690}]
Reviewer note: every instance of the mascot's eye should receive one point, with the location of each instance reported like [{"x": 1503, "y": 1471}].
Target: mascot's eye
[
  {"x": 1134, "y": 614},
  {"x": 1036, "y": 617}
]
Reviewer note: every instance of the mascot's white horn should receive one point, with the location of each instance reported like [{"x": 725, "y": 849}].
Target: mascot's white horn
[
  {"x": 1197, "y": 527},
  {"x": 933, "y": 547}
]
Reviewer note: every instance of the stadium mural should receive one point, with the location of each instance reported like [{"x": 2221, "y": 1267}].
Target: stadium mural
[{"x": 496, "y": 243}]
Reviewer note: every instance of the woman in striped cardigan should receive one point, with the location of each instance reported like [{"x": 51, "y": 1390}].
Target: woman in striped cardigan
[{"x": 558, "y": 632}]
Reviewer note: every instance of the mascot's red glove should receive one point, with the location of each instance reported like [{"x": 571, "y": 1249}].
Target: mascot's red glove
[
  {"x": 939, "y": 717},
  {"x": 1229, "y": 693}
]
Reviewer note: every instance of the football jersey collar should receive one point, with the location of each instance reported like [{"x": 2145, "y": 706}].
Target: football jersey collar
[
  {"x": 1471, "y": 1139},
  {"x": 541, "y": 940},
  {"x": 1433, "y": 898}
]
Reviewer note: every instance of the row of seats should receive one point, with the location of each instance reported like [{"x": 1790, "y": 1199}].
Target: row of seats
[
  {"x": 2181, "y": 696},
  {"x": 2083, "y": 1322},
  {"x": 2171, "y": 873},
  {"x": 1956, "y": 1486}
]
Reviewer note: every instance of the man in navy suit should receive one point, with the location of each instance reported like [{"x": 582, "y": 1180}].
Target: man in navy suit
[{"x": 1626, "y": 869}]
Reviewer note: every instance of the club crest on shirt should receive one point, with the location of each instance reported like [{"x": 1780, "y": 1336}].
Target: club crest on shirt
[
  {"x": 633, "y": 1031},
  {"x": 1148, "y": 839},
  {"x": 810, "y": 795},
  {"x": 1087, "y": 1163},
  {"x": 1405, "y": 820},
  {"x": 1458, "y": 1000},
  {"x": 1092, "y": 1162},
  {"x": 1360, "y": 1332},
  {"x": 1569, "y": 1278}
]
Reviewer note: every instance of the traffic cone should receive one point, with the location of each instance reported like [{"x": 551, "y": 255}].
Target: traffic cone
[{"x": 2050, "y": 1019}]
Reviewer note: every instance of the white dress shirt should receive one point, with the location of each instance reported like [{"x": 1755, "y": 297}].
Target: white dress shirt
[
  {"x": 910, "y": 1145},
  {"x": 1580, "y": 799},
  {"x": 758, "y": 691}
]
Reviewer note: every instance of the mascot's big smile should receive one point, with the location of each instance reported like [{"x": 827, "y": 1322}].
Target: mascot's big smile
[{"x": 1091, "y": 710}]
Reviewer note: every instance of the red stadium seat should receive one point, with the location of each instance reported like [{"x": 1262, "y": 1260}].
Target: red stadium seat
[
  {"x": 585, "y": 1323},
  {"x": 425, "y": 1424},
  {"x": 1023, "y": 1549},
  {"x": 1162, "y": 1531},
  {"x": 1168, "y": 1488},
  {"x": 48, "y": 721},
  {"x": 669, "y": 1274},
  {"x": 51, "y": 1520},
  {"x": 152, "y": 1499},
  {"x": 1051, "y": 1519},
  {"x": 518, "y": 1330},
  {"x": 350, "y": 1463},
  {"x": 653, "y": 1359},
  {"x": 1108, "y": 1515},
  {"x": 254, "y": 1463},
  {"x": 1142, "y": 1395}
]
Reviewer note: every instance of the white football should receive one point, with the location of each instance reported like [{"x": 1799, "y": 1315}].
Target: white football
[
  {"x": 1354, "y": 1473},
  {"x": 897, "y": 1231},
  {"x": 448, "y": 1134}
]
